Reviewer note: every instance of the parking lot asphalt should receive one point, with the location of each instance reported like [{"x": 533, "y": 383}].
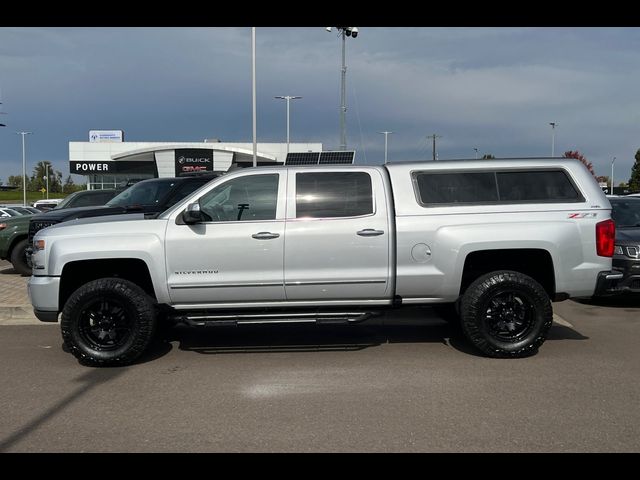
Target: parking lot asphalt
[
  {"x": 15, "y": 308},
  {"x": 404, "y": 383}
]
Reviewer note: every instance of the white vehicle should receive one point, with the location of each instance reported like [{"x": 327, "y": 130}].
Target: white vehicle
[
  {"x": 47, "y": 203},
  {"x": 6, "y": 212},
  {"x": 498, "y": 239}
]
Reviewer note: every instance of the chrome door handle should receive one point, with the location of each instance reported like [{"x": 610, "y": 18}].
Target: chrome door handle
[
  {"x": 370, "y": 232},
  {"x": 265, "y": 235}
]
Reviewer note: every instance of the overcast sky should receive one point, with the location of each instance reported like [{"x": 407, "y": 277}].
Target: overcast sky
[{"x": 495, "y": 89}]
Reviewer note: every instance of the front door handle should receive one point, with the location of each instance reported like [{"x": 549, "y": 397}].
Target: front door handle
[
  {"x": 370, "y": 232},
  {"x": 265, "y": 235}
]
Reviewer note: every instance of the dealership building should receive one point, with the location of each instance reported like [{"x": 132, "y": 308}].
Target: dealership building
[{"x": 107, "y": 161}]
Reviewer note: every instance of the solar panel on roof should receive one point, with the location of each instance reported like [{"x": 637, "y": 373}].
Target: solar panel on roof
[
  {"x": 302, "y": 158},
  {"x": 340, "y": 157},
  {"x": 337, "y": 158}
]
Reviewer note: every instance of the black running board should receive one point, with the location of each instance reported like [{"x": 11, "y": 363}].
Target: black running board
[{"x": 225, "y": 319}]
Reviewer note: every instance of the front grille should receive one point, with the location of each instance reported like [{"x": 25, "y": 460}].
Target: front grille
[
  {"x": 633, "y": 252},
  {"x": 635, "y": 284},
  {"x": 35, "y": 227}
]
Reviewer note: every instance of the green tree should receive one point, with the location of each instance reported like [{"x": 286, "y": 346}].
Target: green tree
[
  {"x": 577, "y": 155},
  {"x": 15, "y": 180},
  {"x": 487, "y": 156},
  {"x": 634, "y": 181},
  {"x": 38, "y": 179}
]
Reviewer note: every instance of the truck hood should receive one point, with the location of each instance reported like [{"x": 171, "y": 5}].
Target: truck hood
[
  {"x": 114, "y": 221},
  {"x": 65, "y": 214}
]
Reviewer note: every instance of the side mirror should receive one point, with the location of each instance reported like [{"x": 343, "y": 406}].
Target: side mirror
[{"x": 192, "y": 214}]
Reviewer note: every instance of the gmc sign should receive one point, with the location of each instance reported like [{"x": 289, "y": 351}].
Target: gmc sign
[{"x": 193, "y": 160}]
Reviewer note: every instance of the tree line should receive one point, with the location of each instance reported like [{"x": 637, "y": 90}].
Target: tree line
[{"x": 38, "y": 180}]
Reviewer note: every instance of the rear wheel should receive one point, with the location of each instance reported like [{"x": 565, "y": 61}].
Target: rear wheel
[
  {"x": 108, "y": 322},
  {"x": 506, "y": 314},
  {"x": 19, "y": 258}
]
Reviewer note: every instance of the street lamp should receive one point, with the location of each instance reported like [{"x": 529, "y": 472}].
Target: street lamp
[
  {"x": 24, "y": 169},
  {"x": 386, "y": 136},
  {"x": 612, "y": 162},
  {"x": 288, "y": 98},
  {"x": 344, "y": 32},
  {"x": 553, "y": 138},
  {"x": 476, "y": 150}
]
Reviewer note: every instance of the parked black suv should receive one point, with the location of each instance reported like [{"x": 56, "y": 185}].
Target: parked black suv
[
  {"x": 150, "y": 197},
  {"x": 626, "y": 256},
  {"x": 87, "y": 198}
]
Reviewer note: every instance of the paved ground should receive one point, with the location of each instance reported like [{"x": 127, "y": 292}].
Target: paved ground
[
  {"x": 15, "y": 308},
  {"x": 406, "y": 383}
]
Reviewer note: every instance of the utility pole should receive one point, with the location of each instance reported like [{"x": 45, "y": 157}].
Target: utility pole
[
  {"x": 434, "y": 136},
  {"x": 553, "y": 138},
  {"x": 476, "y": 153},
  {"x": 24, "y": 169},
  {"x": 612, "y": 163},
  {"x": 253, "y": 90},
  {"x": 386, "y": 136}
]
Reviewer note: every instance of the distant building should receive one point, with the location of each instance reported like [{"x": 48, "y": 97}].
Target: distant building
[{"x": 109, "y": 163}]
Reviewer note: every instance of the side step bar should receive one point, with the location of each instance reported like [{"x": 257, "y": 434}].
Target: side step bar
[{"x": 224, "y": 319}]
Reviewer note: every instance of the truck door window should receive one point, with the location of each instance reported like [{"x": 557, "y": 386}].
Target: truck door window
[
  {"x": 249, "y": 198},
  {"x": 333, "y": 194}
]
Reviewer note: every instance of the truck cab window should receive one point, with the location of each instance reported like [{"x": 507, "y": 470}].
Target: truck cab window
[
  {"x": 250, "y": 198},
  {"x": 333, "y": 194}
]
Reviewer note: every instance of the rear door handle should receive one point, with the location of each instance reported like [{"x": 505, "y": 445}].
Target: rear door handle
[
  {"x": 370, "y": 232},
  {"x": 265, "y": 235}
]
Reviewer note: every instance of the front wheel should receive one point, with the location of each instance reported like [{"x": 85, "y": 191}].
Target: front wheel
[
  {"x": 108, "y": 322},
  {"x": 19, "y": 258},
  {"x": 506, "y": 314}
]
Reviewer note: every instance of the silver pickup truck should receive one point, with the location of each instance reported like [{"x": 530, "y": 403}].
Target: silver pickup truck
[{"x": 495, "y": 240}]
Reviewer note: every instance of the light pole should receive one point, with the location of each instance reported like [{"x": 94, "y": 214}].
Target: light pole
[
  {"x": 344, "y": 32},
  {"x": 46, "y": 169},
  {"x": 24, "y": 169},
  {"x": 386, "y": 137},
  {"x": 476, "y": 150},
  {"x": 612, "y": 163},
  {"x": 434, "y": 136},
  {"x": 253, "y": 91},
  {"x": 553, "y": 138},
  {"x": 288, "y": 98}
]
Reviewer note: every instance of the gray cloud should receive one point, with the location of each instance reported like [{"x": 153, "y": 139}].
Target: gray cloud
[{"x": 495, "y": 89}]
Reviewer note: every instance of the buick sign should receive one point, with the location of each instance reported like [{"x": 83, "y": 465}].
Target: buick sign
[{"x": 193, "y": 160}]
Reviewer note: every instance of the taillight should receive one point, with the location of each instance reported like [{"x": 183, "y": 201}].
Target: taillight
[{"x": 605, "y": 238}]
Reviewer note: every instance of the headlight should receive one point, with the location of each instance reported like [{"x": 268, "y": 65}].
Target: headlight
[
  {"x": 618, "y": 250},
  {"x": 38, "y": 244}
]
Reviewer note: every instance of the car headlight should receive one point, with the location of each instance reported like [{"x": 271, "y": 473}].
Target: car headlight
[
  {"x": 38, "y": 244},
  {"x": 618, "y": 250}
]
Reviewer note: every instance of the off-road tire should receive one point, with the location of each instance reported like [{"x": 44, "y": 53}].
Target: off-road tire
[
  {"x": 506, "y": 314},
  {"x": 88, "y": 325},
  {"x": 19, "y": 258}
]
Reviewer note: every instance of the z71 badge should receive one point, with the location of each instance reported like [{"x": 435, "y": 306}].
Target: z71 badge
[{"x": 582, "y": 215}]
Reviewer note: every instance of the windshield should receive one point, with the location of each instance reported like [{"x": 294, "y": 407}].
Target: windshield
[
  {"x": 626, "y": 213},
  {"x": 66, "y": 201},
  {"x": 148, "y": 192}
]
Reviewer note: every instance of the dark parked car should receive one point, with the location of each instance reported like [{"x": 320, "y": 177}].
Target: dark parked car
[
  {"x": 14, "y": 232},
  {"x": 150, "y": 197},
  {"x": 88, "y": 198},
  {"x": 626, "y": 257}
]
